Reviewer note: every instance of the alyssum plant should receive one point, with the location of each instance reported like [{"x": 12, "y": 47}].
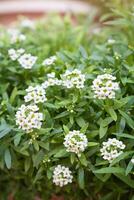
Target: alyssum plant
[{"x": 66, "y": 112}]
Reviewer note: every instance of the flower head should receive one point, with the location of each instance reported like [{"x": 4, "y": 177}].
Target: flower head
[
  {"x": 49, "y": 61},
  {"x": 36, "y": 94},
  {"x": 105, "y": 87},
  {"x": 75, "y": 142},
  {"x": 52, "y": 80},
  {"x": 27, "y": 61},
  {"x": 28, "y": 118},
  {"x": 62, "y": 176},
  {"x": 112, "y": 149},
  {"x": 15, "y": 54},
  {"x": 16, "y": 36},
  {"x": 73, "y": 79},
  {"x": 27, "y": 23}
]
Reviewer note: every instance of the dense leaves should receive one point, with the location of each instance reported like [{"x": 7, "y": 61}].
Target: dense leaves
[{"x": 27, "y": 160}]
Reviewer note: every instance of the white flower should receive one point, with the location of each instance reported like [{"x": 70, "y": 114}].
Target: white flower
[
  {"x": 15, "y": 54},
  {"x": 62, "y": 176},
  {"x": 27, "y": 61},
  {"x": 73, "y": 79},
  {"x": 104, "y": 87},
  {"x": 28, "y": 118},
  {"x": 36, "y": 94},
  {"x": 75, "y": 142},
  {"x": 111, "y": 41},
  {"x": 112, "y": 149},
  {"x": 27, "y": 23},
  {"x": 51, "y": 75},
  {"x": 52, "y": 80},
  {"x": 16, "y": 35},
  {"x": 49, "y": 61},
  {"x": 132, "y": 160}
]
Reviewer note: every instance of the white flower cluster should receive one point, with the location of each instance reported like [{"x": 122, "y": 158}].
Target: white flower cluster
[
  {"x": 112, "y": 149},
  {"x": 104, "y": 87},
  {"x": 73, "y": 79},
  {"x": 49, "y": 61},
  {"x": 27, "y": 23},
  {"x": 16, "y": 36},
  {"x": 15, "y": 54},
  {"x": 62, "y": 176},
  {"x": 36, "y": 94},
  {"x": 28, "y": 118},
  {"x": 75, "y": 142},
  {"x": 52, "y": 80},
  {"x": 27, "y": 61},
  {"x": 69, "y": 79}
]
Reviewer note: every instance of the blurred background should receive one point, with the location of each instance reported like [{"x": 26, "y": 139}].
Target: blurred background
[{"x": 10, "y": 9}]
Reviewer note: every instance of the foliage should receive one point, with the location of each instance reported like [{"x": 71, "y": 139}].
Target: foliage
[{"x": 27, "y": 167}]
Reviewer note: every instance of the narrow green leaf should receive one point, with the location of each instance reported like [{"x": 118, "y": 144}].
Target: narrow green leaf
[
  {"x": 13, "y": 95},
  {"x": 102, "y": 131},
  {"x": 108, "y": 170},
  {"x": 27, "y": 164},
  {"x": 4, "y": 130},
  {"x": 7, "y": 157},
  {"x": 80, "y": 121},
  {"x": 129, "y": 167},
  {"x": 92, "y": 144},
  {"x": 129, "y": 120},
  {"x": 44, "y": 145},
  {"x": 125, "y": 179},
  {"x": 66, "y": 129},
  {"x": 83, "y": 160},
  {"x": 112, "y": 113},
  {"x": 81, "y": 178},
  {"x": 121, "y": 157},
  {"x": 61, "y": 153}
]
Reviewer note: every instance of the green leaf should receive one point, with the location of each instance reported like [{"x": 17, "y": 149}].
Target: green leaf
[
  {"x": 121, "y": 157},
  {"x": 92, "y": 144},
  {"x": 36, "y": 145},
  {"x": 49, "y": 174},
  {"x": 102, "y": 131},
  {"x": 112, "y": 113},
  {"x": 106, "y": 121},
  {"x": 4, "y": 130},
  {"x": 7, "y": 157},
  {"x": 104, "y": 126},
  {"x": 27, "y": 164},
  {"x": 124, "y": 135},
  {"x": 61, "y": 115},
  {"x": 84, "y": 128},
  {"x": 66, "y": 129},
  {"x": 37, "y": 159},
  {"x": 81, "y": 178},
  {"x": 83, "y": 160},
  {"x": 129, "y": 167},
  {"x": 61, "y": 153},
  {"x": 13, "y": 95},
  {"x": 108, "y": 170},
  {"x": 17, "y": 139},
  {"x": 72, "y": 158},
  {"x": 83, "y": 52},
  {"x": 128, "y": 119},
  {"x": 125, "y": 179},
  {"x": 44, "y": 145},
  {"x": 80, "y": 121}
]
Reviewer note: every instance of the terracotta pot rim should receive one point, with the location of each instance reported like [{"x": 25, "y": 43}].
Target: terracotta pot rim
[{"x": 39, "y": 6}]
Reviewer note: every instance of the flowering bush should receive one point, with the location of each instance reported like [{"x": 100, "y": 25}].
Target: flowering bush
[{"x": 66, "y": 111}]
